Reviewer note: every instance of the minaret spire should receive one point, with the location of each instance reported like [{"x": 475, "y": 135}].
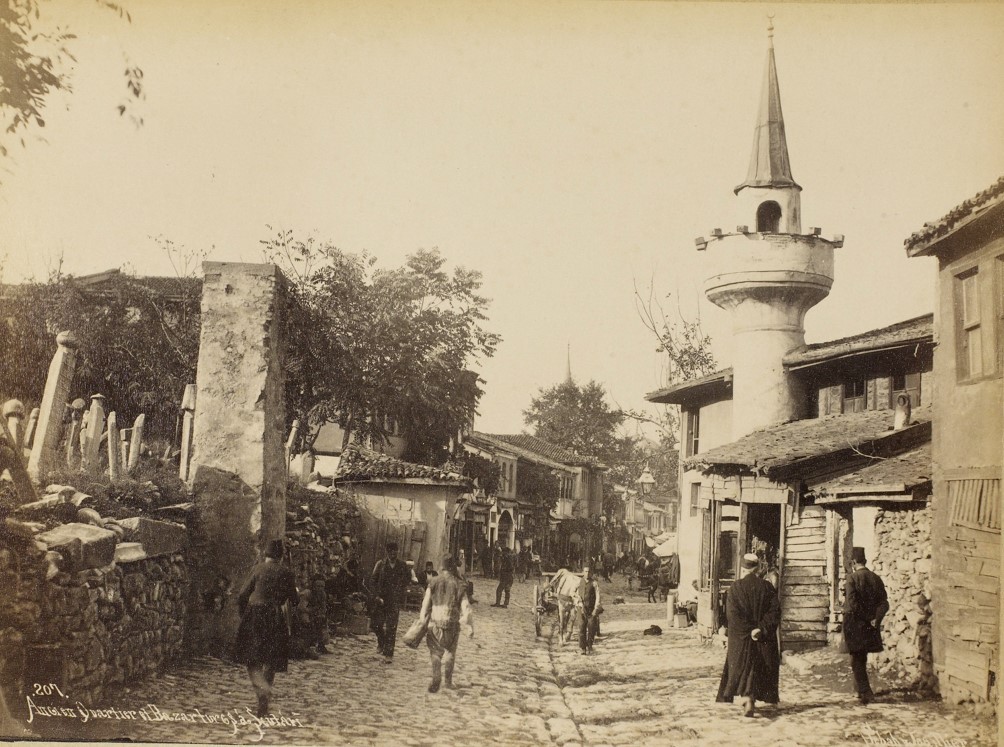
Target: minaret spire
[
  {"x": 568, "y": 365},
  {"x": 769, "y": 164}
]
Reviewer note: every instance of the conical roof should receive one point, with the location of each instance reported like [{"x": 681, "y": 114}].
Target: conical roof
[{"x": 769, "y": 164}]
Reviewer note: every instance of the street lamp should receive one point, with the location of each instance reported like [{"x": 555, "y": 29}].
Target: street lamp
[{"x": 646, "y": 482}]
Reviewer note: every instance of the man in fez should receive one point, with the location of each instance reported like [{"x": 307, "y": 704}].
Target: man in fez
[
  {"x": 752, "y": 662},
  {"x": 865, "y": 604}
]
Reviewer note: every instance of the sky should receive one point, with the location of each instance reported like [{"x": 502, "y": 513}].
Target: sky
[{"x": 571, "y": 151}]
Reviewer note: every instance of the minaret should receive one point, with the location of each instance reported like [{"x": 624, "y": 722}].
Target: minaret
[
  {"x": 568, "y": 366},
  {"x": 767, "y": 274}
]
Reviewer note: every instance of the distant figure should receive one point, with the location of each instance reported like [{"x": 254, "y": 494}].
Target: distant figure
[
  {"x": 388, "y": 581},
  {"x": 865, "y": 604},
  {"x": 446, "y": 608},
  {"x": 317, "y": 606},
  {"x": 525, "y": 562},
  {"x": 669, "y": 577},
  {"x": 505, "y": 571},
  {"x": 262, "y": 640},
  {"x": 588, "y": 608},
  {"x": 688, "y": 599},
  {"x": 752, "y": 663},
  {"x": 426, "y": 575}
]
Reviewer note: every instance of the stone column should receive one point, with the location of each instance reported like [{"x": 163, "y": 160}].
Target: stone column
[
  {"x": 238, "y": 466},
  {"x": 50, "y": 419}
]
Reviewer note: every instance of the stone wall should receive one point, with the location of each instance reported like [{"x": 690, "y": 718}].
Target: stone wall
[
  {"x": 88, "y": 614},
  {"x": 903, "y": 561}
]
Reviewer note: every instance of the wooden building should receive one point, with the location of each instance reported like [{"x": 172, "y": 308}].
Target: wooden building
[{"x": 968, "y": 243}]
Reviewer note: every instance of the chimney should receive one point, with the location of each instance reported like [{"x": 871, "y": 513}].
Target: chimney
[{"x": 901, "y": 418}]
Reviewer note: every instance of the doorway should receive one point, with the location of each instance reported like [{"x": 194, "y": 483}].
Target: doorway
[{"x": 763, "y": 533}]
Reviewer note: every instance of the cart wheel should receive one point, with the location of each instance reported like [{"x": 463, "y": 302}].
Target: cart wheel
[{"x": 537, "y": 613}]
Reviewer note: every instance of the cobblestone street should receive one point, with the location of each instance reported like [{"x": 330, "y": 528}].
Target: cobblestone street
[{"x": 515, "y": 689}]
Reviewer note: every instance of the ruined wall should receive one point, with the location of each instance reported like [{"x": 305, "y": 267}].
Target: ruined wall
[
  {"x": 903, "y": 561},
  {"x": 238, "y": 460}
]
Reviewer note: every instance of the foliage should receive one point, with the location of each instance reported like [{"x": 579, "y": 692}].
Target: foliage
[
  {"x": 486, "y": 473},
  {"x": 33, "y": 63},
  {"x": 139, "y": 342},
  {"x": 537, "y": 484},
  {"x": 579, "y": 419},
  {"x": 370, "y": 347},
  {"x": 576, "y": 418}
]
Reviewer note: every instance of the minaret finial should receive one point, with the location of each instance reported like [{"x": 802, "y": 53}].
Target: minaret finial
[{"x": 770, "y": 29}]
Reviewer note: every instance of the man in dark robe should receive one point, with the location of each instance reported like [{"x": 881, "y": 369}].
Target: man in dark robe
[
  {"x": 388, "y": 581},
  {"x": 865, "y": 604},
  {"x": 752, "y": 663}
]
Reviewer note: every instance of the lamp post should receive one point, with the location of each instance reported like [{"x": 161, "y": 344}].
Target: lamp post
[{"x": 645, "y": 483}]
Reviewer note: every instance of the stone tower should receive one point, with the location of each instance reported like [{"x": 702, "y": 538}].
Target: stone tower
[{"x": 768, "y": 273}]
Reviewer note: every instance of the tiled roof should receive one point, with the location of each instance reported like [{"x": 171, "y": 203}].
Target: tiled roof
[
  {"x": 693, "y": 389},
  {"x": 358, "y": 464},
  {"x": 163, "y": 286},
  {"x": 959, "y": 215},
  {"x": 909, "y": 469},
  {"x": 773, "y": 449},
  {"x": 538, "y": 446},
  {"x": 919, "y": 329}
]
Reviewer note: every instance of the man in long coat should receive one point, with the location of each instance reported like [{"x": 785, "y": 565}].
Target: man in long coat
[
  {"x": 865, "y": 604},
  {"x": 752, "y": 662}
]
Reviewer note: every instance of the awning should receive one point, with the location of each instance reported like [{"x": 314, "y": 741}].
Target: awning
[
  {"x": 905, "y": 477},
  {"x": 667, "y": 548}
]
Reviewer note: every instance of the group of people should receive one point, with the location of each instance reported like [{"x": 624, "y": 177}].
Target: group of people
[
  {"x": 752, "y": 663},
  {"x": 494, "y": 559},
  {"x": 270, "y": 605}
]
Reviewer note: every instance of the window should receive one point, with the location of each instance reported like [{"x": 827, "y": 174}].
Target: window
[
  {"x": 768, "y": 217},
  {"x": 854, "y": 396},
  {"x": 695, "y": 498},
  {"x": 970, "y": 343},
  {"x": 975, "y": 504},
  {"x": 693, "y": 431}
]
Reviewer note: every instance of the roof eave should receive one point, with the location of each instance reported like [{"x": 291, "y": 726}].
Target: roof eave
[{"x": 934, "y": 245}]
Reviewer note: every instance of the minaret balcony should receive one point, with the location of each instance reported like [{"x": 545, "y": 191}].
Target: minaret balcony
[{"x": 795, "y": 267}]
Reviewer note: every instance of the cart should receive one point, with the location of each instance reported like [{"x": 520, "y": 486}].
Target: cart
[{"x": 546, "y": 603}]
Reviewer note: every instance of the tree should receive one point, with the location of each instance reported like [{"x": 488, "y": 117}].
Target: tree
[
  {"x": 370, "y": 347},
  {"x": 33, "y": 56},
  {"x": 687, "y": 347},
  {"x": 139, "y": 339},
  {"x": 579, "y": 419}
]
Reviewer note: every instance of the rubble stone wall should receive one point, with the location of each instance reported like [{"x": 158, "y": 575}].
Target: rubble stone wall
[
  {"x": 89, "y": 631},
  {"x": 903, "y": 561}
]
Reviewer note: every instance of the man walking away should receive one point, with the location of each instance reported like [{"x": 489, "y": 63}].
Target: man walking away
[
  {"x": 505, "y": 570},
  {"x": 446, "y": 608},
  {"x": 587, "y": 604},
  {"x": 865, "y": 604},
  {"x": 752, "y": 663},
  {"x": 388, "y": 581}
]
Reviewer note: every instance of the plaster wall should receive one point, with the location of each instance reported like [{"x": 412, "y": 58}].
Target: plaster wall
[
  {"x": 238, "y": 460},
  {"x": 716, "y": 429},
  {"x": 401, "y": 506},
  {"x": 767, "y": 282},
  {"x": 967, "y": 444}
]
